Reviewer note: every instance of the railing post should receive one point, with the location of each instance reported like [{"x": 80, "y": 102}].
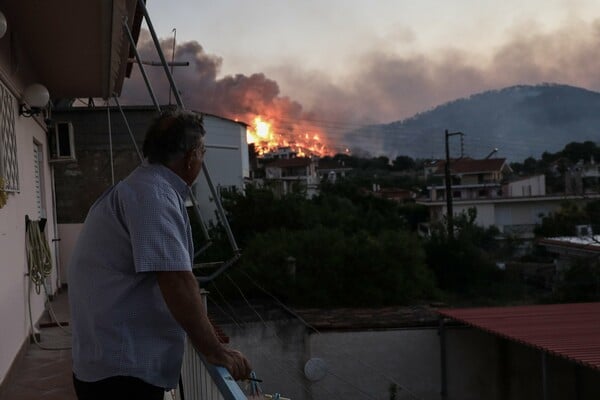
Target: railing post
[{"x": 204, "y": 294}]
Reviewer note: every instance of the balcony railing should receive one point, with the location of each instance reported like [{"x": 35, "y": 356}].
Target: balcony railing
[{"x": 204, "y": 381}]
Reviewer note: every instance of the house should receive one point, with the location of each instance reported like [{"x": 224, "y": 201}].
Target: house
[
  {"x": 59, "y": 49},
  {"x": 430, "y": 167},
  {"x": 281, "y": 153},
  {"x": 396, "y": 194},
  {"x": 514, "y": 207},
  {"x": 80, "y": 182},
  {"x": 332, "y": 170},
  {"x": 583, "y": 177},
  {"x": 471, "y": 178},
  {"x": 294, "y": 174}
]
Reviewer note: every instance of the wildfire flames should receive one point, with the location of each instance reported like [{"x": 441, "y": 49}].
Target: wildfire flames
[{"x": 268, "y": 136}]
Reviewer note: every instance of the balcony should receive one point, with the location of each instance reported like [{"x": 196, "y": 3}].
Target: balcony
[
  {"x": 44, "y": 374},
  {"x": 203, "y": 381}
]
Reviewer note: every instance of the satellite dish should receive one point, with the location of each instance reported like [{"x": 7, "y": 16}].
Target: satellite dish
[{"x": 315, "y": 369}]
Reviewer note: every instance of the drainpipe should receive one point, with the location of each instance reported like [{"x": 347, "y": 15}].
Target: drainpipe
[{"x": 56, "y": 238}]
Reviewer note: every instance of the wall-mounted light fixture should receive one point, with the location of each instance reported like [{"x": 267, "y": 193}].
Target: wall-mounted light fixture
[
  {"x": 35, "y": 98},
  {"x": 3, "y": 25}
]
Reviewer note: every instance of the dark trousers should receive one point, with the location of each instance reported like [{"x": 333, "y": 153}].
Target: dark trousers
[{"x": 117, "y": 388}]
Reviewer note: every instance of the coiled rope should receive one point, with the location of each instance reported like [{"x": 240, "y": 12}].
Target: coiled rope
[{"x": 39, "y": 259}]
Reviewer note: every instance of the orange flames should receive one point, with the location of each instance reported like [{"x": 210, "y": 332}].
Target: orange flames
[{"x": 303, "y": 139}]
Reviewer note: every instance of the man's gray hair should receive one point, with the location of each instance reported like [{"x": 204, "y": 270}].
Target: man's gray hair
[{"x": 172, "y": 134}]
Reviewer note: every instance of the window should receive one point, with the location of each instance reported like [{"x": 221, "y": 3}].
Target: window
[{"x": 9, "y": 169}]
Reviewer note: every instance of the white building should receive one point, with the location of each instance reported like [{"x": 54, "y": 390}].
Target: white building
[
  {"x": 514, "y": 207},
  {"x": 226, "y": 158},
  {"x": 471, "y": 179},
  {"x": 287, "y": 175},
  {"x": 74, "y": 49}
]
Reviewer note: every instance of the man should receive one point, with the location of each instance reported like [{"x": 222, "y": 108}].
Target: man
[{"x": 131, "y": 290}]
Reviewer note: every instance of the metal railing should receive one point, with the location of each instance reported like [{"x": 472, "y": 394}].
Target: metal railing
[{"x": 203, "y": 381}]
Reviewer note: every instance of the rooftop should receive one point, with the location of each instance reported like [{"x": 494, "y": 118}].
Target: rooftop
[
  {"x": 571, "y": 331},
  {"x": 351, "y": 319}
]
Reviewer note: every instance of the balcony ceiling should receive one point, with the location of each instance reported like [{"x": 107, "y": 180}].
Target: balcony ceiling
[{"x": 76, "y": 48}]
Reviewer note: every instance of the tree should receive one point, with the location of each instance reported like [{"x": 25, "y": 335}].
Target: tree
[
  {"x": 562, "y": 222},
  {"x": 334, "y": 268},
  {"x": 581, "y": 282},
  {"x": 403, "y": 163},
  {"x": 576, "y": 151},
  {"x": 350, "y": 248},
  {"x": 462, "y": 263}
]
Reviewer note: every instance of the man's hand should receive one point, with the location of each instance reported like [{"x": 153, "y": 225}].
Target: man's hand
[
  {"x": 182, "y": 295},
  {"x": 235, "y": 362}
]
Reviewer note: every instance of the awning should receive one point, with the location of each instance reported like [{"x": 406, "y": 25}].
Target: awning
[{"x": 571, "y": 331}]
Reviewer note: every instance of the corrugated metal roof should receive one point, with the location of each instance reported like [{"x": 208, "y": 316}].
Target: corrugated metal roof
[{"x": 571, "y": 331}]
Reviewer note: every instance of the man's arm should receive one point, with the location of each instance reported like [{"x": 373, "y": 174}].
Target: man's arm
[{"x": 182, "y": 295}]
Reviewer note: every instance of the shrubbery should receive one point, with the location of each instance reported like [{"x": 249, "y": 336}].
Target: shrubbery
[{"x": 350, "y": 249}]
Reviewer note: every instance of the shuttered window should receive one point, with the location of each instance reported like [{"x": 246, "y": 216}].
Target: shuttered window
[{"x": 9, "y": 169}]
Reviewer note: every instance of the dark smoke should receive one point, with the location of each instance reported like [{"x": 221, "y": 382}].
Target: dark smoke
[
  {"x": 381, "y": 86},
  {"x": 236, "y": 96}
]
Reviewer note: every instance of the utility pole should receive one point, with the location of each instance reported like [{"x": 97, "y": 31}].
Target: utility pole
[{"x": 449, "y": 211}]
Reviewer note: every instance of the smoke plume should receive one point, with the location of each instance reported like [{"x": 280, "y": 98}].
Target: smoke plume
[{"x": 381, "y": 86}]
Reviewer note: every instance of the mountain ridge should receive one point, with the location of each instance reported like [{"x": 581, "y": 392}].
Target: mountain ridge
[{"x": 520, "y": 120}]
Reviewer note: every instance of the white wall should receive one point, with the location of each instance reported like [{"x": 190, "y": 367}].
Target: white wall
[
  {"x": 68, "y": 234},
  {"x": 363, "y": 364},
  {"x": 14, "y": 285},
  {"x": 226, "y": 158},
  {"x": 371, "y": 361},
  {"x": 485, "y": 213},
  {"x": 533, "y": 186}
]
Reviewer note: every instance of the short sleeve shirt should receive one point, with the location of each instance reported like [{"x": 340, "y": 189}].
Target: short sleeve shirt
[{"x": 120, "y": 322}]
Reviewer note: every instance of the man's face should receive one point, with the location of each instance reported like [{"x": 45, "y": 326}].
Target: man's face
[
  {"x": 197, "y": 160},
  {"x": 194, "y": 162}
]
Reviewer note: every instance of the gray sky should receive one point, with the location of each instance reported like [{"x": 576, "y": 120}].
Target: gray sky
[{"x": 361, "y": 61}]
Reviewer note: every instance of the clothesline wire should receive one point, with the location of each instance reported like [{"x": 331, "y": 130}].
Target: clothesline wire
[
  {"x": 283, "y": 342},
  {"x": 308, "y": 325}
]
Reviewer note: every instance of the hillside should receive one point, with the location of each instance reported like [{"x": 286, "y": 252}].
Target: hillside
[{"x": 520, "y": 121}]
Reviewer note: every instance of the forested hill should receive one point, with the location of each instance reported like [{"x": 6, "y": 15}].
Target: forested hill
[{"x": 520, "y": 121}]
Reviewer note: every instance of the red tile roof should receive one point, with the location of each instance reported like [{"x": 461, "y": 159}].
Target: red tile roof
[
  {"x": 469, "y": 165},
  {"x": 571, "y": 331}
]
